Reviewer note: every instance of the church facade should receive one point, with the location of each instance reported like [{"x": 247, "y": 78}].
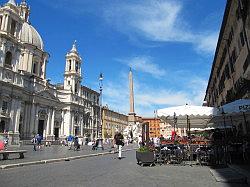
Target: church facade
[{"x": 29, "y": 103}]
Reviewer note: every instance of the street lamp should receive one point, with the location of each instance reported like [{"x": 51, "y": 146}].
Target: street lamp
[
  {"x": 224, "y": 122},
  {"x": 99, "y": 129},
  {"x": 175, "y": 123}
]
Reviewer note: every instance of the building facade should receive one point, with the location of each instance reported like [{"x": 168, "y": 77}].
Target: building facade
[
  {"x": 154, "y": 126},
  {"x": 166, "y": 129},
  {"x": 112, "y": 122},
  {"x": 230, "y": 75},
  {"x": 29, "y": 103}
]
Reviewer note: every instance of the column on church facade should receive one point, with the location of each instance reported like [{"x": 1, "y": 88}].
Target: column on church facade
[
  {"x": 6, "y": 23},
  {"x": 26, "y": 120},
  {"x": 52, "y": 122},
  {"x": 48, "y": 123},
  {"x": 43, "y": 69},
  {"x": 2, "y": 53},
  {"x": 3, "y": 23},
  {"x": 67, "y": 123},
  {"x": 32, "y": 119},
  {"x": 12, "y": 115},
  {"x": 36, "y": 119},
  {"x": 17, "y": 120},
  {"x": 61, "y": 130},
  {"x": 72, "y": 124},
  {"x": 81, "y": 124}
]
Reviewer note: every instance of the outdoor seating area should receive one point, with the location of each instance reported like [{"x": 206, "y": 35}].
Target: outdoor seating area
[{"x": 198, "y": 151}]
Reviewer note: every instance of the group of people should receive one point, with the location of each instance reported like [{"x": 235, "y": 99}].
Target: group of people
[{"x": 74, "y": 141}]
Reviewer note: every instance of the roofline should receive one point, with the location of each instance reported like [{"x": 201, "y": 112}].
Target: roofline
[
  {"x": 90, "y": 90},
  {"x": 223, "y": 25}
]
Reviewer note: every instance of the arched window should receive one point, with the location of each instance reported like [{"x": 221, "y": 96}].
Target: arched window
[{"x": 8, "y": 59}]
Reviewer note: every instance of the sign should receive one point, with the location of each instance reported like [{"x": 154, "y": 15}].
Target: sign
[{"x": 244, "y": 107}]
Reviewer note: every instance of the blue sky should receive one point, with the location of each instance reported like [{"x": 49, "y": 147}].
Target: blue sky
[{"x": 168, "y": 43}]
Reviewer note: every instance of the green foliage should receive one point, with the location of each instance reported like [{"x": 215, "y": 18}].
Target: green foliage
[
  {"x": 176, "y": 142},
  {"x": 144, "y": 149}
]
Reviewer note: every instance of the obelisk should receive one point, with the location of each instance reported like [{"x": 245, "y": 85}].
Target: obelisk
[{"x": 131, "y": 114}]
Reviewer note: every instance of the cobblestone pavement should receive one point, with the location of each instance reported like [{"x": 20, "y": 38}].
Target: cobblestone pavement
[
  {"x": 53, "y": 152},
  {"x": 108, "y": 171}
]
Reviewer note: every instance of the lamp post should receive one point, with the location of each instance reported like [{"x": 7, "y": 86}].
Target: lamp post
[
  {"x": 175, "y": 123},
  {"x": 224, "y": 122},
  {"x": 99, "y": 129}
]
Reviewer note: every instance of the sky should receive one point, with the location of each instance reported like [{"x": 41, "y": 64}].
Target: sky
[{"x": 169, "y": 44}]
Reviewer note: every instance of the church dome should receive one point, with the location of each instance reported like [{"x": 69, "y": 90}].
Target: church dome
[{"x": 31, "y": 36}]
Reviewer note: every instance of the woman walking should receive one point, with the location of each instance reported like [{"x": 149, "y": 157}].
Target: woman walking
[{"x": 119, "y": 142}]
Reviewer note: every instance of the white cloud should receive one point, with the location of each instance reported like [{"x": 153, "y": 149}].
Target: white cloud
[
  {"x": 206, "y": 43},
  {"x": 158, "y": 21},
  {"x": 153, "y": 20},
  {"x": 144, "y": 64},
  {"x": 151, "y": 97}
]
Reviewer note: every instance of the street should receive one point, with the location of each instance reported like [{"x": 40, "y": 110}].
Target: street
[{"x": 109, "y": 171}]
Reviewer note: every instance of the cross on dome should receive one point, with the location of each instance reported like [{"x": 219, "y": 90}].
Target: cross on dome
[{"x": 74, "y": 49}]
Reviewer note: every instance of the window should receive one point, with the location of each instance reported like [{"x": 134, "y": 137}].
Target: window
[
  {"x": 69, "y": 65},
  {"x": 76, "y": 88},
  {"x": 242, "y": 39},
  {"x": 68, "y": 82},
  {"x": 227, "y": 72},
  {"x": 76, "y": 119},
  {"x": 8, "y": 59},
  {"x": 233, "y": 56},
  {"x": 77, "y": 66},
  {"x": 13, "y": 27},
  {"x": 4, "y": 107},
  {"x": 230, "y": 37},
  {"x": 34, "y": 71}
]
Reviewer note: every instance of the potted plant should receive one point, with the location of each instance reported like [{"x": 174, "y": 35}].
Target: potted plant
[{"x": 145, "y": 155}]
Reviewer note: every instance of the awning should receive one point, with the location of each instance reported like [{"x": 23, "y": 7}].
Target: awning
[{"x": 238, "y": 106}]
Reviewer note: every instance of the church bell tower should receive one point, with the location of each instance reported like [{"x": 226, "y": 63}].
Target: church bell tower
[{"x": 72, "y": 75}]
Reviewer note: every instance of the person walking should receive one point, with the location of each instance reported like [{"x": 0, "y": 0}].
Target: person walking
[
  {"x": 34, "y": 141},
  {"x": 76, "y": 144},
  {"x": 39, "y": 141},
  {"x": 119, "y": 142},
  {"x": 70, "y": 141}
]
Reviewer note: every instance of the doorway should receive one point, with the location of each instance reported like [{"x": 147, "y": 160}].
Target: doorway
[
  {"x": 40, "y": 127},
  {"x": 56, "y": 133},
  {"x": 2, "y": 126},
  {"x": 76, "y": 131}
]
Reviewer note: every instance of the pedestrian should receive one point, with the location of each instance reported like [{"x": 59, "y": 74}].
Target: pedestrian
[
  {"x": 39, "y": 141},
  {"x": 119, "y": 142},
  {"x": 70, "y": 141},
  {"x": 34, "y": 141},
  {"x": 139, "y": 141},
  {"x": 76, "y": 144}
]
